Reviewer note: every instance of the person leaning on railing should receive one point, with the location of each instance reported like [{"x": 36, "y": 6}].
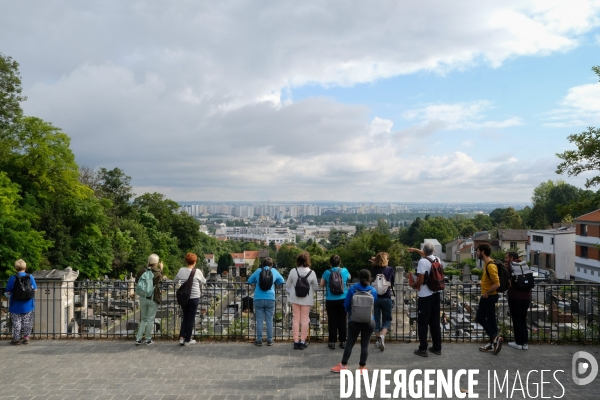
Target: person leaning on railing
[
  {"x": 21, "y": 311},
  {"x": 190, "y": 308},
  {"x": 518, "y": 305},
  {"x": 334, "y": 303}
]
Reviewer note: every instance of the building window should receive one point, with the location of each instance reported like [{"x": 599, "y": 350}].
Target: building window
[
  {"x": 578, "y": 269},
  {"x": 514, "y": 245},
  {"x": 551, "y": 240},
  {"x": 584, "y": 252},
  {"x": 539, "y": 239},
  {"x": 583, "y": 229},
  {"x": 585, "y": 271}
]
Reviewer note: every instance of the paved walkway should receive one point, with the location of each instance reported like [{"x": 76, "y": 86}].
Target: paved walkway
[{"x": 85, "y": 369}]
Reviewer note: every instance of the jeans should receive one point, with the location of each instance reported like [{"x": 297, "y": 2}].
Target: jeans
[
  {"x": 382, "y": 310},
  {"x": 264, "y": 309},
  {"x": 189, "y": 317},
  {"x": 486, "y": 315},
  {"x": 148, "y": 309},
  {"x": 429, "y": 317},
  {"x": 336, "y": 317},
  {"x": 518, "y": 313},
  {"x": 365, "y": 330}
]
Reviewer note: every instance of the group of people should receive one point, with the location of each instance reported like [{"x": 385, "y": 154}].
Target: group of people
[{"x": 374, "y": 289}]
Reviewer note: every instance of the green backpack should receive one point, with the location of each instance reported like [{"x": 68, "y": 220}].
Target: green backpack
[{"x": 145, "y": 286}]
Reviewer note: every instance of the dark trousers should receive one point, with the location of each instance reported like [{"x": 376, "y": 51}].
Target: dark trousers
[
  {"x": 336, "y": 317},
  {"x": 365, "y": 330},
  {"x": 189, "y": 317},
  {"x": 486, "y": 315},
  {"x": 429, "y": 318},
  {"x": 518, "y": 312}
]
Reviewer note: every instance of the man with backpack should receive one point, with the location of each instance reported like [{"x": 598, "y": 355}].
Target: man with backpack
[
  {"x": 486, "y": 312},
  {"x": 334, "y": 280},
  {"x": 264, "y": 298},
  {"x": 428, "y": 306},
  {"x": 150, "y": 293},
  {"x": 20, "y": 290},
  {"x": 519, "y": 298}
]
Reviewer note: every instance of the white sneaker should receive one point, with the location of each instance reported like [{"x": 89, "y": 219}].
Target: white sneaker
[
  {"x": 377, "y": 343},
  {"x": 181, "y": 341},
  {"x": 514, "y": 345},
  {"x": 525, "y": 347},
  {"x": 192, "y": 341},
  {"x": 382, "y": 343}
]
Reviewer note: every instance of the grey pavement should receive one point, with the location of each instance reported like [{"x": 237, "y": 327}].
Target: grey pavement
[{"x": 95, "y": 369}]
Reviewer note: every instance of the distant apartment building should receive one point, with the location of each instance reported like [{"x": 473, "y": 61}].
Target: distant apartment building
[
  {"x": 553, "y": 250},
  {"x": 587, "y": 242},
  {"x": 256, "y": 234}
]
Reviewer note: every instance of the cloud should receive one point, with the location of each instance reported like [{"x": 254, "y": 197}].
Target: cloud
[
  {"x": 466, "y": 116},
  {"x": 580, "y": 107},
  {"x": 193, "y": 99}
]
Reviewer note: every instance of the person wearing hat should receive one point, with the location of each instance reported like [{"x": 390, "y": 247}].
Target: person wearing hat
[{"x": 149, "y": 305}]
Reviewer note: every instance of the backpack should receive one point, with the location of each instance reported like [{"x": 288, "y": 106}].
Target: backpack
[
  {"x": 381, "y": 284},
  {"x": 265, "y": 279},
  {"x": 145, "y": 286},
  {"x": 336, "y": 283},
  {"x": 302, "y": 287},
  {"x": 435, "y": 278},
  {"x": 521, "y": 277},
  {"x": 503, "y": 275},
  {"x": 185, "y": 290},
  {"x": 23, "y": 289},
  {"x": 362, "y": 306}
]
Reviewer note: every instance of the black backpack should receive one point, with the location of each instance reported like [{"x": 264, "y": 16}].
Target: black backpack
[
  {"x": 302, "y": 286},
  {"x": 23, "y": 289},
  {"x": 336, "y": 283},
  {"x": 503, "y": 275},
  {"x": 265, "y": 279},
  {"x": 185, "y": 290}
]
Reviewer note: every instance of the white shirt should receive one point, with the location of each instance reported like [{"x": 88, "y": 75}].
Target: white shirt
[
  {"x": 184, "y": 273},
  {"x": 424, "y": 267},
  {"x": 291, "y": 283}
]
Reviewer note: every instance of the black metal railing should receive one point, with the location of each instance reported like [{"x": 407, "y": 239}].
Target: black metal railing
[{"x": 105, "y": 309}]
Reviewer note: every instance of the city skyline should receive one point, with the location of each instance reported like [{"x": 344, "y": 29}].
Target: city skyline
[{"x": 354, "y": 101}]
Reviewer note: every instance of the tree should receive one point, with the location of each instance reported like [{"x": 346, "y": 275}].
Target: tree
[
  {"x": 585, "y": 158},
  {"x": 10, "y": 92},
  {"x": 483, "y": 222},
  {"x": 225, "y": 261},
  {"x": 558, "y": 196},
  {"x": 116, "y": 186},
  {"x": 467, "y": 229},
  {"x": 511, "y": 219}
]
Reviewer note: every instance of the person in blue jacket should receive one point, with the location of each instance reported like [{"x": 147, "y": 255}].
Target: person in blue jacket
[
  {"x": 365, "y": 329},
  {"x": 264, "y": 301},
  {"x": 334, "y": 303},
  {"x": 21, "y": 311}
]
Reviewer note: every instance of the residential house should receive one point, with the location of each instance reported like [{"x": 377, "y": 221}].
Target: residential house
[
  {"x": 437, "y": 246},
  {"x": 587, "y": 242},
  {"x": 513, "y": 239},
  {"x": 211, "y": 263},
  {"x": 553, "y": 250},
  {"x": 452, "y": 249}
]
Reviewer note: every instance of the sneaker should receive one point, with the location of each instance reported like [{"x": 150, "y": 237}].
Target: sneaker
[
  {"x": 381, "y": 346},
  {"x": 269, "y": 343},
  {"x": 487, "y": 347},
  {"x": 192, "y": 341},
  {"x": 377, "y": 343},
  {"x": 363, "y": 371},
  {"x": 331, "y": 346},
  {"x": 498, "y": 345},
  {"x": 303, "y": 345},
  {"x": 514, "y": 345},
  {"x": 15, "y": 342},
  {"x": 338, "y": 368},
  {"x": 25, "y": 340},
  {"x": 436, "y": 352},
  {"x": 422, "y": 353},
  {"x": 181, "y": 340},
  {"x": 139, "y": 342},
  {"x": 149, "y": 341},
  {"x": 525, "y": 346},
  {"x": 257, "y": 343},
  {"x": 296, "y": 345},
  {"x": 342, "y": 345}
]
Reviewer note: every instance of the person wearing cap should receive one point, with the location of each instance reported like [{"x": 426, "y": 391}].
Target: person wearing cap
[{"x": 149, "y": 306}]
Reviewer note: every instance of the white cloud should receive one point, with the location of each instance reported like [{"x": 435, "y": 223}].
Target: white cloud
[
  {"x": 189, "y": 98},
  {"x": 580, "y": 107},
  {"x": 466, "y": 116}
]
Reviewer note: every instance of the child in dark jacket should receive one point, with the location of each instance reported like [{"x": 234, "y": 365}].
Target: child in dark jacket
[{"x": 365, "y": 329}]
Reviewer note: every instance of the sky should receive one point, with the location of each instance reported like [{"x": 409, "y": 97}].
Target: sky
[{"x": 378, "y": 101}]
